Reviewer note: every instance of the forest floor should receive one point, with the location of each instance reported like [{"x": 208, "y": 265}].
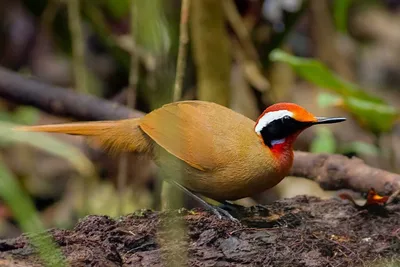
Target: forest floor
[{"x": 301, "y": 231}]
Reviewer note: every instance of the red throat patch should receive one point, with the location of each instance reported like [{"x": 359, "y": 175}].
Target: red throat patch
[{"x": 283, "y": 152}]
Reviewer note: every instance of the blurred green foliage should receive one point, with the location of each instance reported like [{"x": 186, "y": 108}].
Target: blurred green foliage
[
  {"x": 49, "y": 144},
  {"x": 151, "y": 31},
  {"x": 325, "y": 99},
  {"x": 27, "y": 217},
  {"x": 340, "y": 14},
  {"x": 377, "y": 117},
  {"x": 19, "y": 201},
  {"x": 104, "y": 197},
  {"x": 22, "y": 115},
  {"x": 360, "y": 148},
  {"x": 317, "y": 73},
  {"x": 371, "y": 111},
  {"x": 324, "y": 142},
  {"x": 118, "y": 9}
]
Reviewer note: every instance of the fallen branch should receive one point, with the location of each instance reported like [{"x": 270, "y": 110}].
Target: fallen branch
[
  {"x": 59, "y": 101},
  {"x": 333, "y": 172},
  {"x": 330, "y": 171}
]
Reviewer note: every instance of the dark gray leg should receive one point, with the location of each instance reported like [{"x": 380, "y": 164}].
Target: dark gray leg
[
  {"x": 216, "y": 210},
  {"x": 230, "y": 206}
]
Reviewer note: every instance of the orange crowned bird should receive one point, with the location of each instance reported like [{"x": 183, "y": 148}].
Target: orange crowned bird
[{"x": 219, "y": 153}]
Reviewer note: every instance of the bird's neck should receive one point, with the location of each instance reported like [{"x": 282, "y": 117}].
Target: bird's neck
[{"x": 283, "y": 152}]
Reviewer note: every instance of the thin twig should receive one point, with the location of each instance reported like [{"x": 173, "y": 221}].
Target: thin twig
[
  {"x": 246, "y": 50},
  {"x": 168, "y": 199},
  {"x": 240, "y": 29},
  {"x": 134, "y": 71},
  {"x": 74, "y": 19},
  {"x": 253, "y": 73},
  {"x": 75, "y": 28},
  {"x": 393, "y": 196},
  {"x": 131, "y": 101},
  {"x": 180, "y": 73},
  {"x": 122, "y": 181},
  {"x": 183, "y": 41},
  {"x": 49, "y": 15}
]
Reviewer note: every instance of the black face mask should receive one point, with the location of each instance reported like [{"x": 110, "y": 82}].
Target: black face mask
[{"x": 281, "y": 128}]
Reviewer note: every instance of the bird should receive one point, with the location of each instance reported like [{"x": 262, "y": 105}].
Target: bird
[{"x": 206, "y": 149}]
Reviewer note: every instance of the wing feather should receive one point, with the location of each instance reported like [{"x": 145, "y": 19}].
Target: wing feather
[{"x": 193, "y": 131}]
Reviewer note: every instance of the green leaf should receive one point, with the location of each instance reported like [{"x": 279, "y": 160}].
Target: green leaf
[
  {"x": 6, "y": 116},
  {"x": 22, "y": 115},
  {"x": 340, "y": 14},
  {"x": 372, "y": 112},
  {"x": 377, "y": 117},
  {"x": 327, "y": 100},
  {"x": 360, "y": 148},
  {"x": 324, "y": 142},
  {"x": 119, "y": 8},
  {"x": 26, "y": 115},
  {"x": 49, "y": 144},
  {"x": 28, "y": 218},
  {"x": 151, "y": 27},
  {"x": 315, "y": 72}
]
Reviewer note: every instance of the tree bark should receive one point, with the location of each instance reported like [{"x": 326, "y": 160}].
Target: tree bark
[{"x": 212, "y": 58}]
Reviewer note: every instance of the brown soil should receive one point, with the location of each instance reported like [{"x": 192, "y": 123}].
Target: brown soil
[{"x": 302, "y": 231}]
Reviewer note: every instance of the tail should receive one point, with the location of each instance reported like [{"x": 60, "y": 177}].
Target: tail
[{"x": 117, "y": 136}]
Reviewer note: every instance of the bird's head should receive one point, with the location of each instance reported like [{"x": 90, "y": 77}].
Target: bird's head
[{"x": 281, "y": 123}]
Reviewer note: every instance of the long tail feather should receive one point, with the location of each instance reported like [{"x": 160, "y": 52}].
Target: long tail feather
[
  {"x": 121, "y": 135},
  {"x": 79, "y": 128}
]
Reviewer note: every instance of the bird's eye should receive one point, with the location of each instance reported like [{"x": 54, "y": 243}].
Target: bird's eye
[{"x": 287, "y": 117}]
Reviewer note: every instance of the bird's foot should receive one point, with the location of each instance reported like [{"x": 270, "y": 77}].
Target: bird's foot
[{"x": 220, "y": 212}]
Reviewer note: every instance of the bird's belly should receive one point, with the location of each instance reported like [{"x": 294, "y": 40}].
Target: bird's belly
[
  {"x": 219, "y": 186},
  {"x": 234, "y": 180}
]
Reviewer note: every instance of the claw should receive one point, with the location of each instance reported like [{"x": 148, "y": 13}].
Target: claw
[{"x": 218, "y": 211}]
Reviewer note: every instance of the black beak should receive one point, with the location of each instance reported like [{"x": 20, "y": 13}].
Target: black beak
[{"x": 325, "y": 120}]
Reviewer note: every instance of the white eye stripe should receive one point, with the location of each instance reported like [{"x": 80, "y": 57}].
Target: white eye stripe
[{"x": 270, "y": 117}]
